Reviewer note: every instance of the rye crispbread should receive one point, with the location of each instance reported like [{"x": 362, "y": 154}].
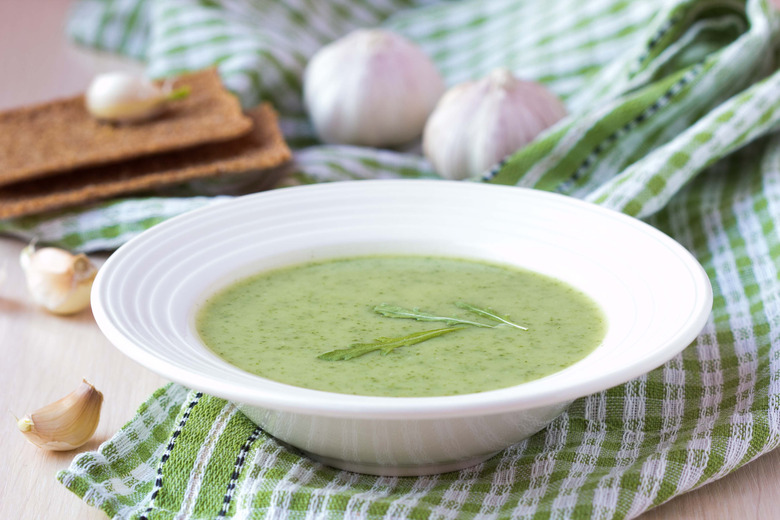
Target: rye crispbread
[
  {"x": 58, "y": 136},
  {"x": 264, "y": 147}
]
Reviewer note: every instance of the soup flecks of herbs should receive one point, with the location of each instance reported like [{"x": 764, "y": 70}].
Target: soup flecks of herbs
[{"x": 401, "y": 326}]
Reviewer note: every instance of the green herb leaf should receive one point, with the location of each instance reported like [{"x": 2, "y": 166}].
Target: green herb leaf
[
  {"x": 385, "y": 345},
  {"x": 394, "y": 311},
  {"x": 179, "y": 93},
  {"x": 489, "y": 314}
]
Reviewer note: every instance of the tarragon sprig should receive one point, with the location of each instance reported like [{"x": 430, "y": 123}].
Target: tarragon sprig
[
  {"x": 385, "y": 345},
  {"x": 489, "y": 314},
  {"x": 394, "y": 311}
]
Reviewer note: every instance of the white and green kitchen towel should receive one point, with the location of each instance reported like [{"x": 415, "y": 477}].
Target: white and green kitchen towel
[{"x": 674, "y": 119}]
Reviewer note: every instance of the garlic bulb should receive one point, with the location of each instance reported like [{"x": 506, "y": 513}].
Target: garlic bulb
[
  {"x": 67, "y": 423},
  {"x": 372, "y": 88},
  {"x": 58, "y": 280},
  {"x": 125, "y": 98},
  {"x": 477, "y": 124}
]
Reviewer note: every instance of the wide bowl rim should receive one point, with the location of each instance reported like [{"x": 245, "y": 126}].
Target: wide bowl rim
[{"x": 271, "y": 395}]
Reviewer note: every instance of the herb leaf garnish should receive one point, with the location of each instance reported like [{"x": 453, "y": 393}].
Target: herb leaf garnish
[
  {"x": 385, "y": 345},
  {"x": 489, "y": 314},
  {"x": 394, "y": 311}
]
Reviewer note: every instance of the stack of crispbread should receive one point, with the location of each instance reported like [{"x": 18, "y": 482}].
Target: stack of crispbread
[{"x": 56, "y": 154}]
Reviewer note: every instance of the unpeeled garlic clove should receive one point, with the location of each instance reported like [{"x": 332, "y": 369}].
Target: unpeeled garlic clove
[
  {"x": 65, "y": 424},
  {"x": 120, "y": 97},
  {"x": 371, "y": 88},
  {"x": 58, "y": 280},
  {"x": 477, "y": 124}
]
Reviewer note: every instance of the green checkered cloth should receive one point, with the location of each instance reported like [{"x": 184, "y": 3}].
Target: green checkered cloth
[{"x": 674, "y": 119}]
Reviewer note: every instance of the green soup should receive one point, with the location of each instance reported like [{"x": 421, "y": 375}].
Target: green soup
[{"x": 280, "y": 324}]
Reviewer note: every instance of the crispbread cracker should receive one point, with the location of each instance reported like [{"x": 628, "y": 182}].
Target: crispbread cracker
[
  {"x": 262, "y": 148},
  {"x": 61, "y": 135}
]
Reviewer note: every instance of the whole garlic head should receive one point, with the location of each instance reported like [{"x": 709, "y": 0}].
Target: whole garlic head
[
  {"x": 126, "y": 98},
  {"x": 477, "y": 124},
  {"x": 58, "y": 280},
  {"x": 372, "y": 88}
]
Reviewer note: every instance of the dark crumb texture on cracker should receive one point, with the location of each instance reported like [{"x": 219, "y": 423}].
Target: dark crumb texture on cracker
[
  {"x": 263, "y": 148},
  {"x": 59, "y": 136}
]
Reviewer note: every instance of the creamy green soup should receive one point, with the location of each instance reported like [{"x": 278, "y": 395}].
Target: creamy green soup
[{"x": 352, "y": 325}]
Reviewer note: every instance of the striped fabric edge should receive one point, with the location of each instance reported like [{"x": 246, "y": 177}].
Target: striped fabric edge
[
  {"x": 553, "y": 43},
  {"x": 118, "y": 26},
  {"x": 115, "y": 478},
  {"x": 645, "y": 187},
  {"x": 103, "y": 226},
  {"x": 578, "y": 158}
]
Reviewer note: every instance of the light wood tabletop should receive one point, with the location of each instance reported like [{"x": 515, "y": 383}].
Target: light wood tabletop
[{"x": 44, "y": 356}]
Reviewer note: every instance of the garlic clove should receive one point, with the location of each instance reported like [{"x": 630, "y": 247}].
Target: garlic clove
[
  {"x": 65, "y": 424},
  {"x": 372, "y": 88},
  {"x": 58, "y": 280},
  {"x": 125, "y": 98},
  {"x": 477, "y": 124}
]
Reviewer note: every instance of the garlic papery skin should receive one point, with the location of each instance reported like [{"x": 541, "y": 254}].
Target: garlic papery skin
[
  {"x": 120, "y": 97},
  {"x": 58, "y": 280},
  {"x": 477, "y": 124},
  {"x": 371, "y": 88},
  {"x": 65, "y": 424}
]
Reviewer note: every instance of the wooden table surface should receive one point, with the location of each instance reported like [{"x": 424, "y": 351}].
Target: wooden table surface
[{"x": 44, "y": 357}]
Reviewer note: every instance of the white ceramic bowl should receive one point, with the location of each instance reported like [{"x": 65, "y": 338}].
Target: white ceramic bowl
[{"x": 655, "y": 295}]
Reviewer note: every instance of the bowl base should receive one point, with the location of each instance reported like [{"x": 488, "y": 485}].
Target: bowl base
[{"x": 385, "y": 470}]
